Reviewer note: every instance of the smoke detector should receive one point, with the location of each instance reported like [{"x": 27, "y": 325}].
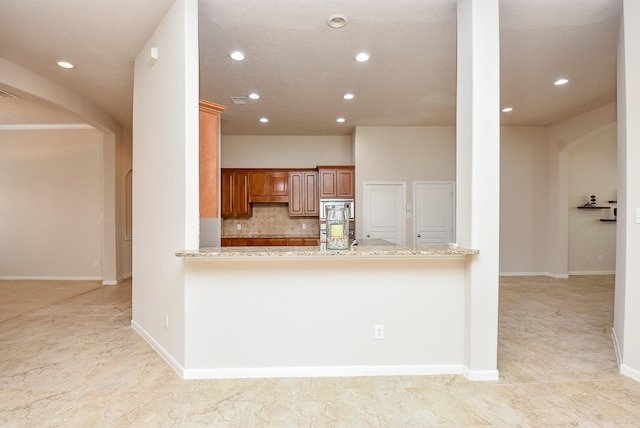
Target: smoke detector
[{"x": 337, "y": 21}]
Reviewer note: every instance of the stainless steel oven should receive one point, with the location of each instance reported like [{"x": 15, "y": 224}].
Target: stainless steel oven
[{"x": 335, "y": 203}]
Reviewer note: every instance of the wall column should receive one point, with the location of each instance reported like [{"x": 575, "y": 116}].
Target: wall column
[
  {"x": 478, "y": 178},
  {"x": 210, "y": 173},
  {"x": 626, "y": 327}
]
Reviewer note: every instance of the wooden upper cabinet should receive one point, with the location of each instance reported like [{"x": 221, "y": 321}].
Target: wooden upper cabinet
[
  {"x": 303, "y": 193},
  {"x": 336, "y": 182},
  {"x": 235, "y": 193},
  {"x": 268, "y": 186}
]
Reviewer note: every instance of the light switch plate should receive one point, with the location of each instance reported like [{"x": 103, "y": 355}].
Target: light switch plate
[{"x": 637, "y": 215}]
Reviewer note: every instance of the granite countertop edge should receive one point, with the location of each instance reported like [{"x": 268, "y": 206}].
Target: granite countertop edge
[{"x": 442, "y": 251}]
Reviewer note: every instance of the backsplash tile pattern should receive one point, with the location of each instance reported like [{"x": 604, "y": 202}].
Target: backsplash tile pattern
[{"x": 270, "y": 219}]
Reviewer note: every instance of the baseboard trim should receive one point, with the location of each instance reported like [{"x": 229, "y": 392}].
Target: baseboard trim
[
  {"x": 53, "y": 278},
  {"x": 592, "y": 272},
  {"x": 481, "y": 375},
  {"x": 616, "y": 347},
  {"x": 630, "y": 372},
  {"x": 117, "y": 281},
  {"x": 173, "y": 363},
  {"x": 323, "y": 371},
  {"x": 549, "y": 274}
]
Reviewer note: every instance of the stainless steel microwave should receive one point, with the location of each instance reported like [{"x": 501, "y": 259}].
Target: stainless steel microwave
[{"x": 336, "y": 203}]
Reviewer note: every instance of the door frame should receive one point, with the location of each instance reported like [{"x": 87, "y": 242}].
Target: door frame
[
  {"x": 402, "y": 207},
  {"x": 415, "y": 205}
]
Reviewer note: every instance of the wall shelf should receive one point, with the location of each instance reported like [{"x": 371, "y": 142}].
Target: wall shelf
[{"x": 608, "y": 219}]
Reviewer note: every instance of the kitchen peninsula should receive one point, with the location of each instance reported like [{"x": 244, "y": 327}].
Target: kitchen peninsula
[{"x": 309, "y": 311}]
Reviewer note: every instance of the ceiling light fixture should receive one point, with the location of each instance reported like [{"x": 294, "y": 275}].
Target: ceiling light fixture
[
  {"x": 507, "y": 109},
  {"x": 337, "y": 21},
  {"x": 362, "y": 57},
  {"x": 236, "y": 55},
  {"x": 254, "y": 96},
  {"x": 264, "y": 120},
  {"x": 561, "y": 82},
  {"x": 65, "y": 64},
  {"x": 348, "y": 96},
  {"x": 341, "y": 120}
]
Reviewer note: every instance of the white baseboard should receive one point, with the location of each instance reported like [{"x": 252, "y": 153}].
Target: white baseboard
[
  {"x": 481, "y": 375},
  {"x": 323, "y": 371},
  {"x": 159, "y": 349},
  {"x": 552, "y": 275},
  {"x": 629, "y": 372},
  {"x": 592, "y": 272},
  {"x": 616, "y": 347},
  {"x": 117, "y": 281},
  {"x": 53, "y": 278}
]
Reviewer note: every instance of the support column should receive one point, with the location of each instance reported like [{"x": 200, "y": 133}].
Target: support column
[
  {"x": 626, "y": 325},
  {"x": 478, "y": 178},
  {"x": 210, "y": 173}
]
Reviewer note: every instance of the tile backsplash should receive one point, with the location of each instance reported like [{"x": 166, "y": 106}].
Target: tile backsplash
[{"x": 270, "y": 219}]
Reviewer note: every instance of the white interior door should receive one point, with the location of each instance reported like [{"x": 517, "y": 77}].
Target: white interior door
[
  {"x": 384, "y": 216},
  {"x": 434, "y": 213}
]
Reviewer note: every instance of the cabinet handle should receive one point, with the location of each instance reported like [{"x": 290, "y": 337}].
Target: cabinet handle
[
  {"x": 419, "y": 236},
  {"x": 368, "y": 236}
]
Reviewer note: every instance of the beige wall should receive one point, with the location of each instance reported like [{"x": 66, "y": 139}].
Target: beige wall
[
  {"x": 523, "y": 203},
  {"x": 403, "y": 153},
  {"x": 592, "y": 171},
  {"x": 268, "y": 151},
  {"x": 51, "y": 203}
]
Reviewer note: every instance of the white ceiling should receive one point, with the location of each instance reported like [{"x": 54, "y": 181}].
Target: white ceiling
[{"x": 301, "y": 67}]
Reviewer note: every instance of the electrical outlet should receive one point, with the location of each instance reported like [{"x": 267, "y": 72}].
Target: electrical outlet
[
  {"x": 96, "y": 263},
  {"x": 600, "y": 258},
  {"x": 378, "y": 333},
  {"x": 304, "y": 226},
  {"x": 238, "y": 226},
  {"x": 166, "y": 321}
]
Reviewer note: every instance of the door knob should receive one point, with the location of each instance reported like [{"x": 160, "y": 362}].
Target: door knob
[
  {"x": 419, "y": 236},
  {"x": 368, "y": 236}
]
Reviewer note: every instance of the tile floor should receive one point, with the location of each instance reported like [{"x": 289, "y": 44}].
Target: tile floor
[{"x": 77, "y": 363}]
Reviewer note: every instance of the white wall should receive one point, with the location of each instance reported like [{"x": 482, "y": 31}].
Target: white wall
[
  {"x": 50, "y": 204},
  {"x": 592, "y": 171},
  {"x": 284, "y": 151},
  {"x": 296, "y": 317},
  {"x": 165, "y": 176},
  {"x": 403, "y": 153}
]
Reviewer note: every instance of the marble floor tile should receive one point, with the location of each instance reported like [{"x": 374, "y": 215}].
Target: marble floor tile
[{"x": 70, "y": 359}]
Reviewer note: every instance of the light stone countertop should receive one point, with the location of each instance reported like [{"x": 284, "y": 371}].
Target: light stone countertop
[{"x": 359, "y": 251}]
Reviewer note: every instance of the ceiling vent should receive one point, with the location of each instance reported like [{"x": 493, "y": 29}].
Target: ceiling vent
[
  {"x": 4, "y": 94},
  {"x": 239, "y": 100}
]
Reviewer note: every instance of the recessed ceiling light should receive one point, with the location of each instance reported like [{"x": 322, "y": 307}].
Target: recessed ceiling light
[
  {"x": 561, "y": 82},
  {"x": 236, "y": 55},
  {"x": 362, "y": 57},
  {"x": 348, "y": 96},
  {"x": 264, "y": 120},
  {"x": 337, "y": 21},
  {"x": 507, "y": 109},
  {"x": 254, "y": 96},
  {"x": 65, "y": 64},
  {"x": 341, "y": 120}
]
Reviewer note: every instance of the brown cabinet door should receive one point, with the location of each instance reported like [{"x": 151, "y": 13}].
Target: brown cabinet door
[
  {"x": 235, "y": 196},
  {"x": 337, "y": 182},
  {"x": 303, "y": 194},
  {"x": 345, "y": 183},
  {"x": 268, "y": 186},
  {"x": 311, "y": 200}
]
